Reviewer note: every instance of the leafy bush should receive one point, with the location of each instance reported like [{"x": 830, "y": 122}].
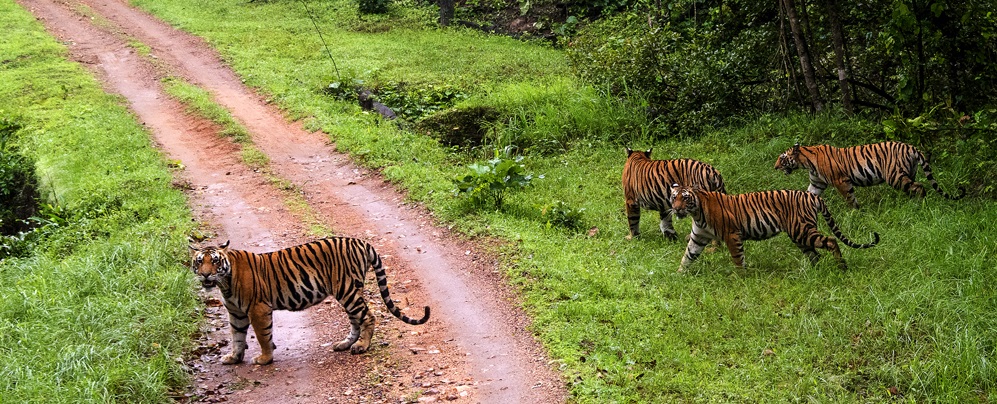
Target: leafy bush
[
  {"x": 559, "y": 213},
  {"x": 345, "y": 89},
  {"x": 947, "y": 134},
  {"x": 414, "y": 102},
  {"x": 373, "y": 6},
  {"x": 686, "y": 78},
  {"x": 17, "y": 182},
  {"x": 487, "y": 183},
  {"x": 409, "y": 101}
]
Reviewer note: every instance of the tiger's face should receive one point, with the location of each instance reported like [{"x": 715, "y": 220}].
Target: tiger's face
[
  {"x": 787, "y": 162},
  {"x": 684, "y": 201},
  {"x": 211, "y": 265}
]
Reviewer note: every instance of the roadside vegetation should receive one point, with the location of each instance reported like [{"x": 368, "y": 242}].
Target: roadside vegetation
[
  {"x": 97, "y": 305},
  {"x": 910, "y": 318}
]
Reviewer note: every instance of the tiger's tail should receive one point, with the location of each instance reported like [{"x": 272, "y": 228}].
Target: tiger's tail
[
  {"x": 934, "y": 184},
  {"x": 382, "y": 284},
  {"x": 837, "y": 231}
]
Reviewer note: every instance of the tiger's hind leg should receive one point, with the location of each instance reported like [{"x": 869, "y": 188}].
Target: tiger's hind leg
[
  {"x": 666, "y": 225},
  {"x": 811, "y": 253},
  {"x": 736, "y": 248},
  {"x": 633, "y": 219},
  {"x": 811, "y": 241},
  {"x": 904, "y": 181},
  {"x": 361, "y": 323}
]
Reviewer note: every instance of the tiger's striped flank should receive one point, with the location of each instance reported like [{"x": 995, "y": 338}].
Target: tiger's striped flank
[
  {"x": 757, "y": 216},
  {"x": 647, "y": 183},
  {"x": 860, "y": 166}
]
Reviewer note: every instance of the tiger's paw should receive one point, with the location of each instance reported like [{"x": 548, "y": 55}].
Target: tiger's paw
[
  {"x": 231, "y": 359},
  {"x": 263, "y": 359},
  {"x": 357, "y": 349},
  {"x": 342, "y": 345}
]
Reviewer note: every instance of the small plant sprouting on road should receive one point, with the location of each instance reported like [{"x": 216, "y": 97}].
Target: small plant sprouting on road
[{"x": 487, "y": 183}]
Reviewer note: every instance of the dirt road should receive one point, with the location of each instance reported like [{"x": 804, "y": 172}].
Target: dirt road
[{"x": 475, "y": 348}]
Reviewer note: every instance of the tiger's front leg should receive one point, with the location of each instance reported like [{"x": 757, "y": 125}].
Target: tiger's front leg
[
  {"x": 848, "y": 191},
  {"x": 817, "y": 185},
  {"x": 261, "y": 316},
  {"x": 697, "y": 241},
  {"x": 238, "y": 322},
  {"x": 666, "y": 225}
]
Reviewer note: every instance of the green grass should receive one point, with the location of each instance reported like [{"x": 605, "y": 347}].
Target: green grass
[
  {"x": 199, "y": 102},
  {"x": 914, "y": 313},
  {"x": 102, "y": 307}
]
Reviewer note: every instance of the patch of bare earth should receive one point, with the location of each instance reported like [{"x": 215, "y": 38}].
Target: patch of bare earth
[{"x": 476, "y": 347}]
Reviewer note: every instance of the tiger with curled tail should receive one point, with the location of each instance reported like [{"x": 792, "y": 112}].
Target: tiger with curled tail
[
  {"x": 646, "y": 184},
  {"x": 757, "y": 216},
  {"x": 295, "y": 278},
  {"x": 845, "y": 168}
]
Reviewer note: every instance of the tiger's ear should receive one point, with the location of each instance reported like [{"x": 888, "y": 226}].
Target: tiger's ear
[
  {"x": 796, "y": 148},
  {"x": 629, "y": 152},
  {"x": 648, "y": 152},
  {"x": 675, "y": 189},
  {"x": 224, "y": 246}
]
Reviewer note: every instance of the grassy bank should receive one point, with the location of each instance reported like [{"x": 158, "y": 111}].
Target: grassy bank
[
  {"x": 101, "y": 307},
  {"x": 909, "y": 318}
]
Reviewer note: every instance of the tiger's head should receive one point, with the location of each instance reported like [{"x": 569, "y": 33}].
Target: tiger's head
[
  {"x": 641, "y": 154},
  {"x": 211, "y": 265},
  {"x": 789, "y": 160},
  {"x": 684, "y": 201}
]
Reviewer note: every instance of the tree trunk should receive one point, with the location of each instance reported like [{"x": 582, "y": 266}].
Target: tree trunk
[
  {"x": 839, "y": 55},
  {"x": 792, "y": 83},
  {"x": 446, "y": 12},
  {"x": 804, "y": 54}
]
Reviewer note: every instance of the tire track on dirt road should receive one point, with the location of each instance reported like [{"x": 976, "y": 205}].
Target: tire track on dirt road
[{"x": 481, "y": 337}]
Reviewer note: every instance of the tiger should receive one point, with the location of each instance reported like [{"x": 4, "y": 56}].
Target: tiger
[
  {"x": 865, "y": 165},
  {"x": 756, "y": 216},
  {"x": 646, "y": 182},
  {"x": 295, "y": 278}
]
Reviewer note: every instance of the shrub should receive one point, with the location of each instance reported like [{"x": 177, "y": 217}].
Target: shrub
[
  {"x": 17, "y": 182},
  {"x": 689, "y": 79},
  {"x": 373, "y": 6},
  {"x": 559, "y": 213},
  {"x": 487, "y": 183}
]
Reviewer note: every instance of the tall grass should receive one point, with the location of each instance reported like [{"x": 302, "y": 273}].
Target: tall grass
[
  {"x": 910, "y": 316},
  {"x": 102, "y": 308}
]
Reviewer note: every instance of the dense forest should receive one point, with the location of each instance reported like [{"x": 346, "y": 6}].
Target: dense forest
[
  {"x": 708, "y": 61},
  {"x": 926, "y": 70}
]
